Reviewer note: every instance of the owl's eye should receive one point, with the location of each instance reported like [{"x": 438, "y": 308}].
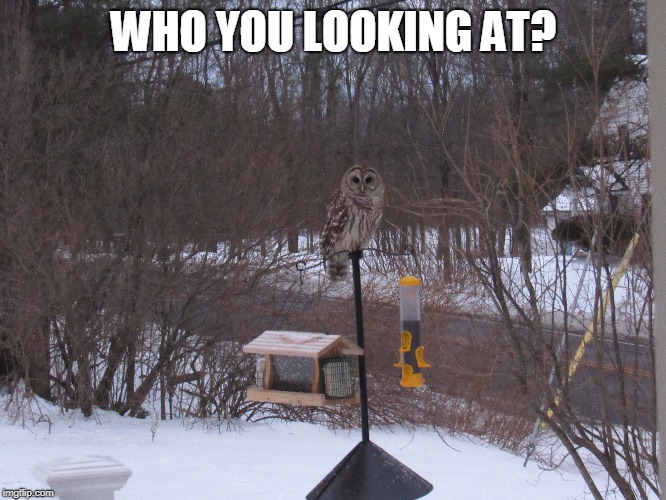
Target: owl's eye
[
  {"x": 368, "y": 180},
  {"x": 356, "y": 180}
]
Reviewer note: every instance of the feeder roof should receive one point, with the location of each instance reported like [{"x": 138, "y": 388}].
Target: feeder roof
[
  {"x": 301, "y": 344},
  {"x": 409, "y": 281}
]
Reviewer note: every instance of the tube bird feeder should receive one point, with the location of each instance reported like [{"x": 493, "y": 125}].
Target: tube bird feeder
[{"x": 411, "y": 351}]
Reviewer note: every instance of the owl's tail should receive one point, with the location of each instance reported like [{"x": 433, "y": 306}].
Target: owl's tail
[{"x": 337, "y": 266}]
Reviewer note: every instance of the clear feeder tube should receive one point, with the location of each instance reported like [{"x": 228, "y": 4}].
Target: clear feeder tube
[{"x": 411, "y": 350}]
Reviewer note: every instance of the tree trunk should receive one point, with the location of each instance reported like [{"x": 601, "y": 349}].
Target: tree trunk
[
  {"x": 292, "y": 241},
  {"x": 39, "y": 361}
]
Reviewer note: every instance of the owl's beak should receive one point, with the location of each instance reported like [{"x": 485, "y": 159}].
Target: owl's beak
[{"x": 362, "y": 188}]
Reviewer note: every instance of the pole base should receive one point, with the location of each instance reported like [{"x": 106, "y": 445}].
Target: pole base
[{"x": 368, "y": 473}]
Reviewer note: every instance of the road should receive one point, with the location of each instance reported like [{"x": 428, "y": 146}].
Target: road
[{"x": 472, "y": 356}]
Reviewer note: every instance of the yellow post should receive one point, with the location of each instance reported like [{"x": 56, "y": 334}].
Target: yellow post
[{"x": 589, "y": 333}]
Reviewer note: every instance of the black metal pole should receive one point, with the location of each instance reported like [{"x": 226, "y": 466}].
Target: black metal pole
[
  {"x": 363, "y": 388},
  {"x": 368, "y": 472}
]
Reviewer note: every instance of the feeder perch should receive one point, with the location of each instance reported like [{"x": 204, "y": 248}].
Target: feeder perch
[{"x": 303, "y": 368}]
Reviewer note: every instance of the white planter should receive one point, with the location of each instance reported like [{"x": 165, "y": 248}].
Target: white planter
[{"x": 87, "y": 478}]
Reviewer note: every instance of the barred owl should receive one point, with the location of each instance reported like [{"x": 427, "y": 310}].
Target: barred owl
[{"x": 353, "y": 215}]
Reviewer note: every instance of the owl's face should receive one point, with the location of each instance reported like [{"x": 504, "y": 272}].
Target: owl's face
[{"x": 361, "y": 181}]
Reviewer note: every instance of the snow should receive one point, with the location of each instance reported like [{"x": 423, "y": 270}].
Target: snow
[
  {"x": 573, "y": 201},
  {"x": 626, "y": 105},
  {"x": 278, "y": 460},
  {"x": 229, "y": 460}
]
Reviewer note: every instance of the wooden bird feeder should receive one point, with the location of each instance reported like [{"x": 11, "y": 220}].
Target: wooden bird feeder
[{"x": 302, "y": 368}]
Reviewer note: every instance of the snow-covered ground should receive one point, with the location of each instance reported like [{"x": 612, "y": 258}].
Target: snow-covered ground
[
  {"x": 187, "y": 459},
  {"x": 173, "y": 459}
]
